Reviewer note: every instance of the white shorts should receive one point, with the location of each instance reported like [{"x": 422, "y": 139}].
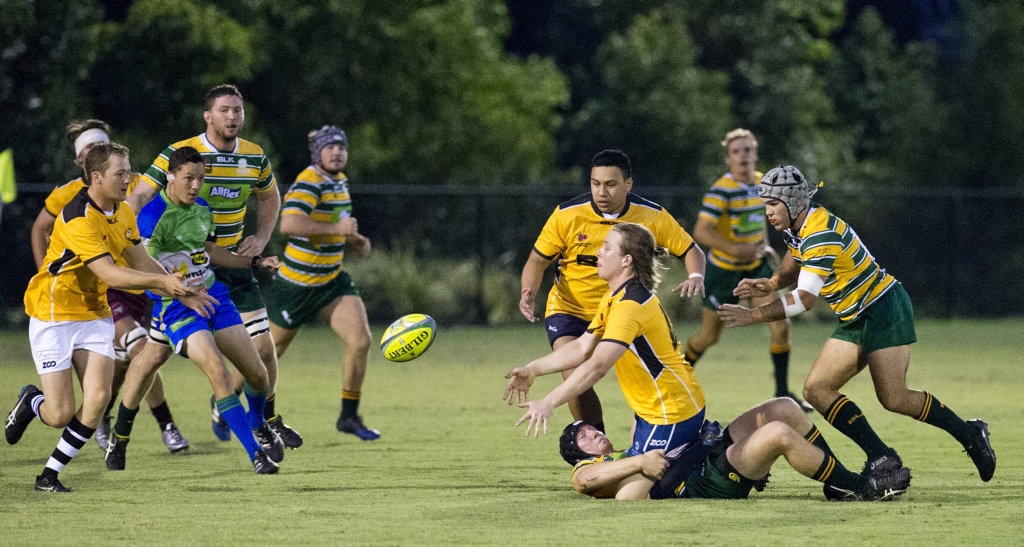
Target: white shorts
[{"x": 53, "y": 343}]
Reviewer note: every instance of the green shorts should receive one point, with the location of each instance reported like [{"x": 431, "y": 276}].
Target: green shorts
[
  {"x": 886, "y": 323},
  {"x": 292, "y": 306},
  {"x": 719, "y": 283},
  {"x": 243, "y": 287},
  {"x": 717, "y": 479}
]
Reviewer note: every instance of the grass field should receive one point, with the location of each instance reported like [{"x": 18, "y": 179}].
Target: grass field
[{"x": 451, "y": 468}]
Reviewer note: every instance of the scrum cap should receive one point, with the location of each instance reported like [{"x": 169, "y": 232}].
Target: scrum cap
[
  {"x": 567, "y": 446},
  {"x": 788, "y": 185},
  {"x": 319, "y": 139}
]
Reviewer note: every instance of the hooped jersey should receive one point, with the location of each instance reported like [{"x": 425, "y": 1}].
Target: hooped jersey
[
  {"x": 828, "y": 247},
  {"x": 176, "y": 236},
  {"x": 64, "y": 288},
  {"x": 229, "y": 179},
  {"x": 572, "y": 236},
  {"x": 608, "y": 490},
  {"x": 657, "y": 382},
  {"x": 738, "y": 215},
  {"x": 311, "y": 263}
]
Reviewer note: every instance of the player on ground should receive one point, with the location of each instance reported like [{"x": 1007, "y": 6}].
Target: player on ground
[
  {"x": 727, "y": 467},
  {"x": 235, "y": 168},
  {"x": 311, "y": 284},
  {"x": 731, "y": 224},
  {"x": 130, "y": 309},
  {"x": 631, "y": 332},
  {"x": 571, "y": 237},
  {"x": 876, "y": 323},
  {"x": 94, "y": 245},
  {"x": 178, "y": 230}
]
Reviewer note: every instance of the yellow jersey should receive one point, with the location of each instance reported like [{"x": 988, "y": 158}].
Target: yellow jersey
[
  {"x": 657, "y": 382},
  {"x": 572, "y": 236},
  {"x": 65, "y": 289}
]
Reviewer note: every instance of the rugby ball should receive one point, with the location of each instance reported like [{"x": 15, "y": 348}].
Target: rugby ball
[{"x": 408, "y": 337}]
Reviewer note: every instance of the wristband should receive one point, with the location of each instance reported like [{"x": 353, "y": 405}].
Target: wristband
[
  {"x": 524, "y": 291},
  {"x": 695, "y": 274},
  {"x": 256, "y": 261},
  {"x": 796, "y": 308}
]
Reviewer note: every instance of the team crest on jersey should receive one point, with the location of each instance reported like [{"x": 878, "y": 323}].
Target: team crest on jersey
[
  {"x": 207, "y": 165},
  {"x": 199, "y": 258},
  {"x": 223, "y": 192}
]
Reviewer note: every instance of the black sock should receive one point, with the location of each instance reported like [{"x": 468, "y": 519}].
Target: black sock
[
  {"x": 162, "y": 413},
  {"x": 937, "y": 414},
  {"x": 268, "y": 410},
  {"x": 780, "y": 363},
  {"x": 847, "y": 417},
  {"x": 75, "y": 435}
]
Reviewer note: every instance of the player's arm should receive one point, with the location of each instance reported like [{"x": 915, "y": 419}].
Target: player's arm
[
  {"x": 268, "y": 205},
  {"x": 628, "y": 478},
  {"x": 41, "y": 230},
  {"x": 223, "y": 257},
  {"x": 564, "y": 358},
  {"x": 117, "y": 277},
  {"x": 529, "y": 282},
  {"x": 585, "y": 376},
  {"x": 299, "y": 224},
  {"x": 791, "y": 304},
  {"x": 785, "y": 275},
  {"x": 142, "y": 194},
  {"x": 696, "y": 263}
]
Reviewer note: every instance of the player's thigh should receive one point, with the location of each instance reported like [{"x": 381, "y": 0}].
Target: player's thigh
[
  {"x": 282, "y": 337},
  {"x": 754, "y": 454},
  {"x": 837, "y": 362},
  {"x": 347, "y": 317},
  {"x": 203, "y": 351},
  {"x": 234, "y": 342},
  {"x": 888, "y": 368}
]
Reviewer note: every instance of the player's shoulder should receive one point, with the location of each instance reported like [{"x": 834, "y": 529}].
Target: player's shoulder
[
  {"x": 249, "y": 148},
  {"x": 582, "y": 200},
  {"x": 77, "y": 206},
  {"x": 633, "y": 291},
  {"x": 196, "y": 142},
  {"x": 151, "y": 214},
  {"x": 637, "y": 201}
]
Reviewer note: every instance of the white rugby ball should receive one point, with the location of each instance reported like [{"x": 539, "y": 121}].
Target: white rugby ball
[{"x": 408, "y": 337}]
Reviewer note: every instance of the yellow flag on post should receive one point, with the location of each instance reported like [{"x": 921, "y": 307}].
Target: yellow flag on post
[{"x": 8, "y": 189}]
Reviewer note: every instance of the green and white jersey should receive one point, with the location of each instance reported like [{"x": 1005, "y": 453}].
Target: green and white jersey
[{"x": 314, "y": 262}]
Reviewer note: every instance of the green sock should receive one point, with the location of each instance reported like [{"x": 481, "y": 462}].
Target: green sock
[
  {"x": 125, "y": 421},
  {"x": 935, "y": 413},
  {"x": 847, "y": 417}
]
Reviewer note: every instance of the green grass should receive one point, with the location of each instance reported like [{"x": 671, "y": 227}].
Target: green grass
[{"x": 451, "y": 468}]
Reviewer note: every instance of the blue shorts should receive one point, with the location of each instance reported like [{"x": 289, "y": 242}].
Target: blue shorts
[
  {"x": 178, "y": 322},
  {"x": 563, "y": 324},
  {"x": 647, "y": 437}
]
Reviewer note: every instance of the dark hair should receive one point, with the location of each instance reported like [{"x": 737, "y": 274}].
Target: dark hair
[
  {"x": 222, "y": 90},
  {"x": 98, "y": 158},
  {"x": 613, "y": 158},
  {"x": 181, "y": 156},
  {"x": 568, "y": 446},
  {"x": 639, "y": 242}
]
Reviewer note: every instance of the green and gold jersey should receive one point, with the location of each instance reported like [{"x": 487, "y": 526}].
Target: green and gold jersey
[
  {"x": 828, "y": 247},
  {"x": 738, "y": 215},
  {"x": 572, "y": 236},
  {"x": 609, "y": 490},
  {"x": 657, "y": 382},
  {"x": 229, "y": 179},
  {"x": 312, "y": 262}
]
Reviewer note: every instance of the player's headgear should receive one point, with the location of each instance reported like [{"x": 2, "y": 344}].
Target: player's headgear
[
  {"x": 788, "y": 185},
  {"x": 567, "y": 445},
  {"x": 319, "y": 139}
]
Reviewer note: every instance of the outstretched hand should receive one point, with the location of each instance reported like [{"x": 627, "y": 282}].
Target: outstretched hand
[
  {"x": 518, "y": 390},
  {"x": 734, "y": 315},
  {"x": 537, "y": 416}
]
